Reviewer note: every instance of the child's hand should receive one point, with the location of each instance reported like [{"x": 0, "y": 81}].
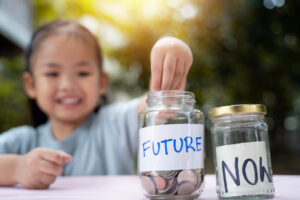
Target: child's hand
[
  {"x": 171, "y": 60},
  {"x": 39, "y": 168}
]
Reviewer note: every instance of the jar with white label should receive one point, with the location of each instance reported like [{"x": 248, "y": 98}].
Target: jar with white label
[
  {"x": 241, "y": 152},
  {"x": 171, "y": 146}
]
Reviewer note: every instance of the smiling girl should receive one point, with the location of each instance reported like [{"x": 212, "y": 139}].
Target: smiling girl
[{"x": 64, "y": 76}]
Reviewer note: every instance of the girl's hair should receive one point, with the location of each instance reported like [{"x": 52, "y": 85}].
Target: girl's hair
[{"x": 58, "y": 27}]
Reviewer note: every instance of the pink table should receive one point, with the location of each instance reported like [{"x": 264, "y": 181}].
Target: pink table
[{"x": 127, "y": 187}]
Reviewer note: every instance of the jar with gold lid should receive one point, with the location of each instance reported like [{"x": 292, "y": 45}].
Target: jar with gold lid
[{"x": 241, "y": 152}]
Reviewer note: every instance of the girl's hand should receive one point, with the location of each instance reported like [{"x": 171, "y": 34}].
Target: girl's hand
[
  {"x": 39, "y": 168},
  {"x": 171, "y": 60}
]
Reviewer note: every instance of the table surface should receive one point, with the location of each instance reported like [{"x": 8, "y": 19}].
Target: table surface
[{"x": 127, "y": 187}]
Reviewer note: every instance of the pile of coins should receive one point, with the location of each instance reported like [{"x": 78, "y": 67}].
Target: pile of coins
[{"x": 175, "y": 182}]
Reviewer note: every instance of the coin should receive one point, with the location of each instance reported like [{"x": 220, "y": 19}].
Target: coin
[
  {"x": 146, "y": 173},
  {"x": 174, "y": 189},
  {"x": 160, "y": 182},
  {"x": 148, "y": 184},
  {"x": 185, "y": 188},
  {"x": 168, "y": 174},
  {"x": 187, "y": 175},
  {"x": 171, "y": 188},
  {"x": 170, "y": 183}
]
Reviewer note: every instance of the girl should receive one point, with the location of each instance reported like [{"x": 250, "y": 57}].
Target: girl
[{"x": 64, "y": 76}]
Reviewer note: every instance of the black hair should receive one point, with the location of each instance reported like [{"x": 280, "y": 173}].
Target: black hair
[{"x": 60, "y": 26}]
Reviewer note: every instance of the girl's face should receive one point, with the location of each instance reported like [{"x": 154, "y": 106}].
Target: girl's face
[{"x": 66, "y": 80}]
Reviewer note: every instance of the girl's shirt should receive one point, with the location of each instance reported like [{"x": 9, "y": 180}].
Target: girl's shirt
[{"x": 105, "y": 144}]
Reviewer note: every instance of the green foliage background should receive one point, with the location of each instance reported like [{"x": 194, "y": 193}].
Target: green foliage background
[
  {"x": 243, "y": 53},
  {"x": 14, "y": 109}
]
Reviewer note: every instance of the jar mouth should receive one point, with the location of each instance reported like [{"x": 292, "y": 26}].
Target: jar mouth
[{"x": 171, "y": 95}]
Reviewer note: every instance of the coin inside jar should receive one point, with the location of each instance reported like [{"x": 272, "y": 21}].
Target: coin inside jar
[
  {"x": 148, "y": 184},
  {"x": 187, "y": 175},
  {"x": 160, "y": 182},
  {"x": 172, "y": 182},
  {"x": 168, "y": 174},
  {"x": 174, "y": 189},
  {"x": 185, "y": 188}
]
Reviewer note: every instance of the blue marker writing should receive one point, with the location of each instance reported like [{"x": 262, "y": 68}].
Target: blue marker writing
[{"x": 144, "y": 149}]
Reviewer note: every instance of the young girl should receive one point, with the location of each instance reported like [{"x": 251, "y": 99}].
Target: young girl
[{"x": 64, "y": 76}]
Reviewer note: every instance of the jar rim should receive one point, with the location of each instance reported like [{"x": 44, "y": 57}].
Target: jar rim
[
  {"x": 170, "y": 93},
  {"x": 237, "y": 109}
]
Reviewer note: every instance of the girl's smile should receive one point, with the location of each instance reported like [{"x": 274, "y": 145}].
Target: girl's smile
[{"x": 69, "y": 102}]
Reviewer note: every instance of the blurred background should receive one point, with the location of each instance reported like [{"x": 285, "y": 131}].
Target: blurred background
[{"x": 244, "y": 52}]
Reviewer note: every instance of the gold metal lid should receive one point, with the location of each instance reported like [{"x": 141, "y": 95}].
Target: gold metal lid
[{"x": 237, "y": 109}]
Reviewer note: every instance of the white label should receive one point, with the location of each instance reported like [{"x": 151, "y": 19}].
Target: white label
[
  {"x": 242, "y": 169},
  {"x": 171, "y": 147}
]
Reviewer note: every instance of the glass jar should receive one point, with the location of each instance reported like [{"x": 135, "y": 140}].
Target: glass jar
[
  {"x": 171, "y": 146},
  {"x": 241, "y": 152}
]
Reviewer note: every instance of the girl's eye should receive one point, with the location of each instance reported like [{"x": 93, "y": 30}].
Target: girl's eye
[
  {"x": 52, "y": 74},
  {"x": 83, "y": 73}
]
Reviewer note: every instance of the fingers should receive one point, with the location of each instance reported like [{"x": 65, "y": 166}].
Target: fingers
[
  {"x": 183, "y": 76},
  {"x": 41, "y": 186},
  {"x": 171, "y": 60},
  {"x": 171, "y": 74},
  {"x": 46, "y": 180},
  {"x": 36, "y": 185},
  {"x": 58, "y": 157},
  {"x": 43, "y": 183},
  {"x": 50, "y": 168},
  {"x": 38, "y": 181},
  {"x": 157, "y": 62},
  {"x": 51, "y": 161},
  {"x": 168, "y": 72},
  {"x": 174, "y": 73},
  {"x": 66, "y": 157},
  {"x": 182, "y": 85},
  {"x": 40, "y": 167},
  {"x": 179, "y": 74}
]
